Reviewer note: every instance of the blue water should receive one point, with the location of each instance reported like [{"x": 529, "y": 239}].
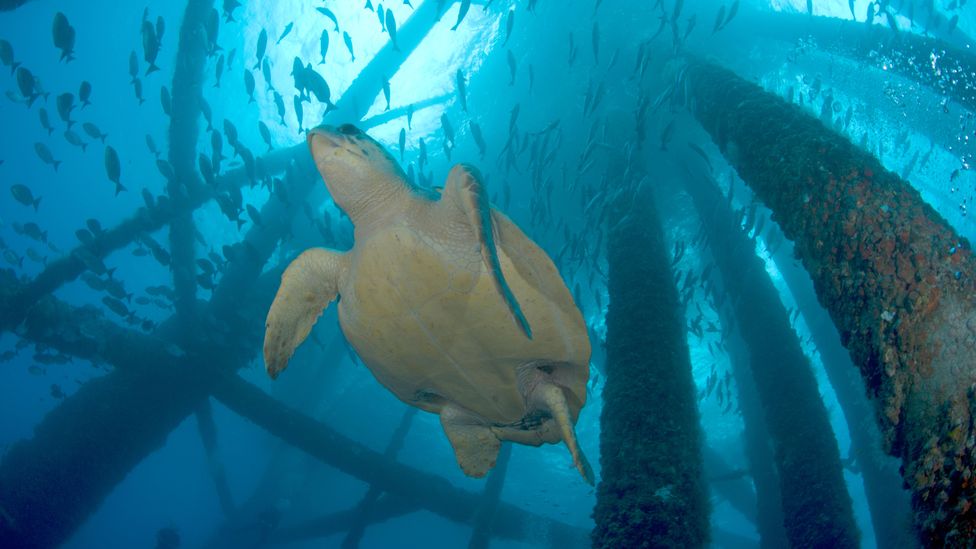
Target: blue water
[{"x": 172, "y": 487}]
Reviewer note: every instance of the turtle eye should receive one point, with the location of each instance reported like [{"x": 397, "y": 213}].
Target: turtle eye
[{"x": 349, "y": 129}]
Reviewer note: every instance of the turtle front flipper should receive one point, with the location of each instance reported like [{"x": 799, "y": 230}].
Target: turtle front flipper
[
  {"x": 464, "y": 186},
  {"x": 308, "y": 285},
  {"x": 475, "y": 445}
]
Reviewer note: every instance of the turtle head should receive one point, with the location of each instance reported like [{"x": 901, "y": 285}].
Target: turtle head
[{"x": 362, "y": 177}]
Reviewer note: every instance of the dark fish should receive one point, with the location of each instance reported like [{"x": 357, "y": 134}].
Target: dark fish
[
  {"x": 266, "y": 72},
  {"x": 265, "y": 134},
  {"x": 402, "y": 142},
  {"x": 64, "y": 36},
  {"x": 461, "y": 91},
  {"x": 324, "y": 45},
  {"x": 465, "y": 5},
  {"x": 73, "y": 138},
  {"x": 299, "y": 112},
  {"x": 150, "y": 144},
  {"x": 448, "y": 129},
  {"x": 27, "y": 84},
  {"x": 165, "y": 100},
  {"x": 45, "y": 120},
  {"x": 391, "y": 29},
  {"x": 328, "y": 13},
  {"x": 280, "y": 105},
  {"x": 509, "y": 25},
  {"x": 348, "y": 40},
  {"x": 133, "y": 67},
  {"x": 229, "y": 7},
  {"x": 116, "y": 306},
  {"x": 137, "y": 85},
  {"x": 255, "y": 215},
  {"x": 478, "y": 138},
  {"x": 66, "y": 104},
  {"x": 410, "y": 116},
  {"x": 262, "y": 48},
  {"x": 249, "y": 85},
  {"x": 386, "y": 93},
  {"x": 511, "y": 67},
  {"x": 212, "y": 28},
  {"x": 381, "y": 16},
  {"x": 84, "y": 93},
  {"x": 45, "y": 155},
  {"x": 113, "y": 168},
  {"x": 285, "y": 33},
  {"x": 719, "y": 19},
  {"x": 166, "y": 170},
  {"x": 23, "y": 194},
  {"x": 732, "y": 11},
  {"x": 207, "y": 113},
  {"x": 7, "y": 56},
  {"x": 150, "y": 46},
  {"x": 315, "y": 83},
  {"x": 219, "y": 71},
  {"x": 231, "y": 132}
]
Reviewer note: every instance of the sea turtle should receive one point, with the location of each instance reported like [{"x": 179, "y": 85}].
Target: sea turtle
[{"x": 446, "y": 301}]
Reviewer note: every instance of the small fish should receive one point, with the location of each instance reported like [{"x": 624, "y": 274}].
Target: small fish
[
  {"x": 719, "y": 19},
  {"x": 66, "y": 104},
  {"x": 386, "y": 93},
  {"x": 26, "y": 83},
  {"x": 328, "y": 13},
  {"x": 324, "y": 45},
  {"x": 45, "y": 120},
  {"x": 348, "y": 40},
  {"x": 45, "y": 155},
  {"x": 229, "y": 7},
  {"x": 732, "y": 12},
  {"x": 165, "y": 100},
  {"x": 133, "y": 66},
  {"x": 478, "y": 138},
  {"x": 113, "y": 168},
  {"x": 206, "y": 170},
  {"x": 286, "y": 32},
  {"x": 463, "y": 11},
  {"x": 666, "y": 135},
  {"x": 262, "y": 48},
  {"x": 23, "y": 194},
  {"x": 160, "y": 28},
  {"x": 137, "y": 87},
  {"x": 219, "y": 70},
  {"x": 64, "y": 36},
  {"x": 448, "y": 129},
  {"x": 255, "y": 215},
  {"x": 266, "y": 72},
  {"x": 391, "y": 29},
  {"x": 265, "y": 134},
  {"x": 299, "y": 113},
  {"x": 461, "y": 91},
  {"x": 511, "y": 67},
  {"x": 249, "y": 85},
  {"x": 150, "y": 144},
  {"x": 410, "y": 116},
  {"x": 509, "y": 25},
  {"x": 84, "y": 93},
  {"x": 7, "y": 56},
  {"x": 403, "y": 142},
  {"x": 207, "y": 113},
  {"x": 280, "y": 105},
  {"x": 72, "y": 138},
  {"x": 150, "y": 46}
]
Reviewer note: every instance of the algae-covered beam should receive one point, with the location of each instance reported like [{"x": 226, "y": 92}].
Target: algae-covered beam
[
  {"x": 652, "y": 491},
  {"x": 207, "y": 428},
  {"x": 888, "y": 500},
  {"x": 432, "y": 492},
  {"x": 897, "y": 280},
  {"x": 484, "y": 517},
  {"x": 816, "y": 506},
  {"x": 187, "y": 96}
]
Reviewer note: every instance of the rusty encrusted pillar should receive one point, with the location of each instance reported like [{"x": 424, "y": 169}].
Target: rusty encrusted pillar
[
  {"x": 651, "y": 492},
  {"x": 897, "y": 280},
  {"x": 184, "y": 129},
  {"x": 817, "y": 509}
]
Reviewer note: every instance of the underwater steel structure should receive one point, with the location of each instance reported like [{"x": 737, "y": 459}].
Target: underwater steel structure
[
  {"x": 817, "y": 509},
  {"x": 652, "y": 492},
  {"x": 897, "y": 280}
]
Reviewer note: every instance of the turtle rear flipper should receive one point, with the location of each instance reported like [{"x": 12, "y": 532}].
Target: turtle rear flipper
[
  {"x": 475, "y": 445},
  {"x": 464, "y": 186},
  {"x": 308, "y": 285}
]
